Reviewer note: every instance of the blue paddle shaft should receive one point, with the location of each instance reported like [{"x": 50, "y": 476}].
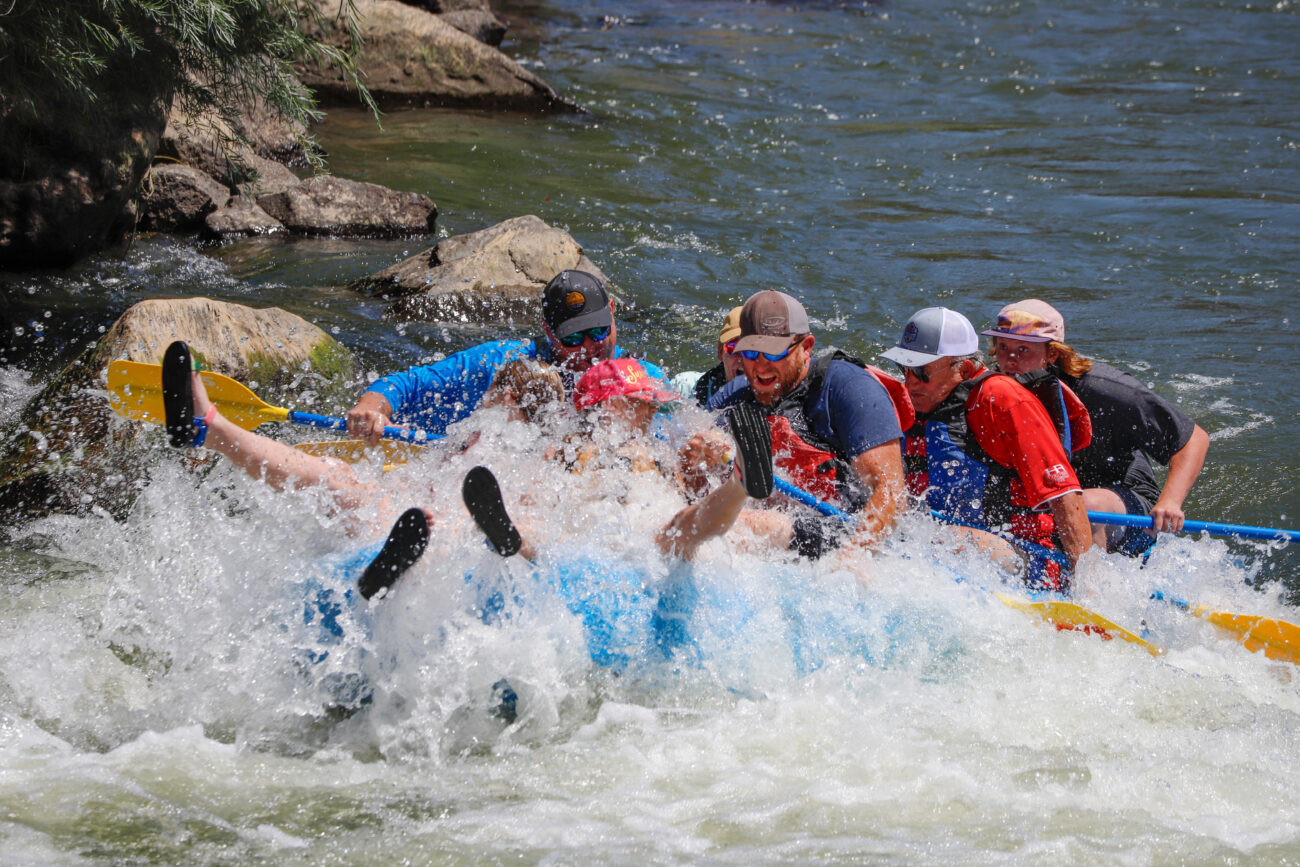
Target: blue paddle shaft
[
  {"x": 1145, "y": 522},
  {"x": 390, "y": 432},
  {"x": 809, "y": 500}
]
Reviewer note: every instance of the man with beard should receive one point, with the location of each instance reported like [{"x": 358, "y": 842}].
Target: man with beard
[{"x": 827, "y": 423}]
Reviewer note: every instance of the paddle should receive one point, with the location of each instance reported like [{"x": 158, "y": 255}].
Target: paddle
[
  {"x": 1069, "y": 617},
  {"x": 1278, "y": 639},
  {"x": 809, "y": 500},
  {"x": 353, "y": 451},
  {"x": 135, "y": 392},
  {"x": 1145, "y": 522},
  {"x": 1066, "y": 616}
]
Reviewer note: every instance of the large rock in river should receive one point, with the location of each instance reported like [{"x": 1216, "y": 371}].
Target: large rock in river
[
  {"x": 69, "y": 453},
  {"x": 256, "y": 168},
  {"x": 411, "y": 57},
  {"x": 177, "y": 198},
  {"x": 326, "y": 205},
  {"x": 491, "y": 275}
]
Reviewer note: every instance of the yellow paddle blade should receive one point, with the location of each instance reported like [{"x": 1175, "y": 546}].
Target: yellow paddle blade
[
  {"x": 1278, "y": 639},
  {"x": 396, "y": 452},
  {"x": 1068, "y": 617},
  {"x": 135, "y": 392}
]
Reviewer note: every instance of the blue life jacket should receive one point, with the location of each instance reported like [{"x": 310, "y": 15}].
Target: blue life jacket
[{"x": 963, "y": 484}]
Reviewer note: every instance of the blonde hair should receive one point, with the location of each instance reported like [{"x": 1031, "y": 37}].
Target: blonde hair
[
  {"x": 530, "y": 388},
  {"x": 1068, "y": 361}
]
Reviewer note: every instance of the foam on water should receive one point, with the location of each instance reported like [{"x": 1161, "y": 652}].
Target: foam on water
[{"x": 851, "y": 708}]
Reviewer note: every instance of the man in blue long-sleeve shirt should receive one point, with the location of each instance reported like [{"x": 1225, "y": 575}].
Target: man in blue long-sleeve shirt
[{"x": 579, "y": 330}]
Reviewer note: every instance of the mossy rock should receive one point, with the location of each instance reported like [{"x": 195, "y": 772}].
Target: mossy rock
[{"x": 69, "y": 453}]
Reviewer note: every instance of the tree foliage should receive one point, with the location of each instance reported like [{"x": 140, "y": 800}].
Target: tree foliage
[{"x": 220, "y": 55}]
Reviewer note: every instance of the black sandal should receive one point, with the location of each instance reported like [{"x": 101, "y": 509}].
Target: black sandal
[
  {"x": 482, "y": 496},
  {"x": 184, "y": 430},
  {"x": 754, "y": 444},
  {"x": 406, "y": 542}
]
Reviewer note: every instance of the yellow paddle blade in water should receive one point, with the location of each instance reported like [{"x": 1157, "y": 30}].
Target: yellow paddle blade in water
[
  {"x": 135, "y": 392},
  {"x": 1068, "y": 617},
  {"x": 1276, "y": 638},
  {"x": 395, "y": 452}
]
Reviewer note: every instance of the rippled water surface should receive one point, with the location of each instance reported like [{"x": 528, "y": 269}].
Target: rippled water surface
[{"x": 162, "y": 699}]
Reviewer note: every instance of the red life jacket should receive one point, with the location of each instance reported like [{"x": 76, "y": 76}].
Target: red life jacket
[
  {"x": 959, "y": 480},
  {"x": 808, "y": 461}
]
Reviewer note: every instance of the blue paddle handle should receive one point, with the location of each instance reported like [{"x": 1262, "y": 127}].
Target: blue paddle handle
[
  {"x": 809, "y": 500},
  {"x": 1145, "y": 522},
  {"x": 390, "y": 432}
]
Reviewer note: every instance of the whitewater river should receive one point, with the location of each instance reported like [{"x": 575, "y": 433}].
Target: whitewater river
[{"x": 163, "y": 696}]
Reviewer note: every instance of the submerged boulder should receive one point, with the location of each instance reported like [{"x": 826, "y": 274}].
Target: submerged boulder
[
  {"x": 494, "y": 274},
  {"x": 69, "y": 453}
]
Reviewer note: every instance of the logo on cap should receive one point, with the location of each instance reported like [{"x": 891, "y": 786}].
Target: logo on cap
[
  {"x": 575, "y": 300},
  {"x": 1020, "y": 322},
  {"x": 910, "y": 333}
]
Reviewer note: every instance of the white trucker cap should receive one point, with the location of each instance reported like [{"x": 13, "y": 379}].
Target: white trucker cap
[{"x": 934, "y": 333}]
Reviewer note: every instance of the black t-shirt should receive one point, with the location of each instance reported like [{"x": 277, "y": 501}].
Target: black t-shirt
[{"x": 1131, "y": 426}]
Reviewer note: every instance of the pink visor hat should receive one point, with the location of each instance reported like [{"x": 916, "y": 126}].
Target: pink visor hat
[{"x": 1032, "y": 320}]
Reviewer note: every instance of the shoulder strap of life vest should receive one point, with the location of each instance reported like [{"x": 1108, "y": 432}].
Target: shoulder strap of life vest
[
  {"x": 1068, "y": 414},
  {"x": 897, "y": 392}
]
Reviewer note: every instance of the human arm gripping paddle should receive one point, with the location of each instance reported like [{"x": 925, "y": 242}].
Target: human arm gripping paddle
[
  {"x": 1066, "y": 616},
  {"x": 1245, "y": 532},
  {"x": 135, "y": 392}
]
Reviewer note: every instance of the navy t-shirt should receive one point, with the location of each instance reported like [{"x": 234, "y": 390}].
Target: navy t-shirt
[
  {"x": 1131, "y": 426},
  {"x": 852, "y": 412}
]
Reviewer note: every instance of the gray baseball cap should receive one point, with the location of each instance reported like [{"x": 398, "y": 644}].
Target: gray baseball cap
[
  {"x": 934, "y": 333},
  {"x": 769, "y": 320}
]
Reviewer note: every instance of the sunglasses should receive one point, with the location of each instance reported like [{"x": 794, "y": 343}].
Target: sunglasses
[
  {"x": 753, "y": 354},
  {"x": 577, "y": 338},
  {"x": 729, "y": 347},
  {"x": 919, "y": 372}
]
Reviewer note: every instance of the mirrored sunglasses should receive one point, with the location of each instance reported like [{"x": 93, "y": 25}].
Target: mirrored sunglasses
[
  {"x": 753, "y": 354},
  {"x": 918, "y": 372},
  {"x": 577, "y": 338}
]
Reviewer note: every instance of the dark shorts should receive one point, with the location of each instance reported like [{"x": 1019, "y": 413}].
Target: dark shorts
[
  {"x": 815, "y": 536},
  {"x": 1130, "y": 541}
]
